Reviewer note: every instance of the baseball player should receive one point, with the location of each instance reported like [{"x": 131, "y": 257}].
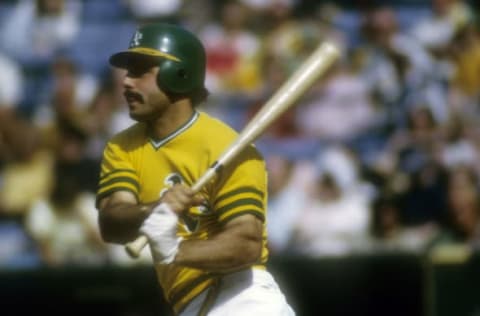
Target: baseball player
[{"x": 209, "y": 249}]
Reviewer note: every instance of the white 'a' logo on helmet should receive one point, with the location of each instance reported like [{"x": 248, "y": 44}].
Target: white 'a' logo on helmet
[{"x": 136, "y": 39}]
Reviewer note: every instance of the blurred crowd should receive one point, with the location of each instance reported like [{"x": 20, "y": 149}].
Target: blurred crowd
[{"x": 381, "y": 155}]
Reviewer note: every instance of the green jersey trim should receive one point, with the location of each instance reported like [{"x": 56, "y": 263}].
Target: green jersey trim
[{"x": 159, "y": 143}]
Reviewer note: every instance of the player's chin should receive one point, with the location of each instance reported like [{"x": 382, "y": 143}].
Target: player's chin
[{"x": 138, "y": 116}]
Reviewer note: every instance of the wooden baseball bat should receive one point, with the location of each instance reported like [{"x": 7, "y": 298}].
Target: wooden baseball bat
[{"x": 303, "y": 78}]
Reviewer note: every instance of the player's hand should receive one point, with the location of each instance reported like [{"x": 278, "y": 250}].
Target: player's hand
[
  {"x": 160, "y": 227},
  {"x": 181, "y": 198}
]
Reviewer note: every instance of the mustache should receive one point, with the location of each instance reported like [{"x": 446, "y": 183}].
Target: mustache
[{"x": 133, "y": 96}]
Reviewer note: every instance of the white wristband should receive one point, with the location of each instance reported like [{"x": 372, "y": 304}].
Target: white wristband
[
  {"x": 160, "y": 227},
  {"x": 167, "y": 258}
]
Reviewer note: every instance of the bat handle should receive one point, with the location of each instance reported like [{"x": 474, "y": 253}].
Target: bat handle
[
  {"x": 205, "y": 178},
  {"x": 135, "y": 247}
]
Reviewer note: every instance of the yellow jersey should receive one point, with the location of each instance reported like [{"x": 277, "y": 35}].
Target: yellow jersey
[{"x": 146, "y": 167}]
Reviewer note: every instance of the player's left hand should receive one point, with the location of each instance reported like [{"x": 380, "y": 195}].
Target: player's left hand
[{"x": 160, "y": 227}]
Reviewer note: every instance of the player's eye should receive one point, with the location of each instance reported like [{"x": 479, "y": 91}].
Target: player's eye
[
  {"x": 137, "y": 72},
  {"x": 139, "y": 67}
]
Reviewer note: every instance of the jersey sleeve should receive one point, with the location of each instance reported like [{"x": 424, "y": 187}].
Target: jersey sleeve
[
  {"x": 241, "y": 188},
  {"x": 117, "y": 173}
]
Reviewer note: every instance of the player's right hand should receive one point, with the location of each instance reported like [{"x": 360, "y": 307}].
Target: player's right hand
[
  {"x": 160, "y": 227},
  {"x": 181, "y": 198}
]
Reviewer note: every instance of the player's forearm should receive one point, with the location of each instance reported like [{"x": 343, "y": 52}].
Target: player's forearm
[
  {"x": 120, "y": 223},
  {"x": 219, "y": 255}
]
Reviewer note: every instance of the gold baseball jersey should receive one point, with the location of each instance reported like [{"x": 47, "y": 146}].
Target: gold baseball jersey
[{"x": 146, "y": 167}]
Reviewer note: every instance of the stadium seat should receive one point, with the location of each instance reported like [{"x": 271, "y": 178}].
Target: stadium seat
[
  {"x": 104, "y": 11},
  {"x": 97, "y": 41}
]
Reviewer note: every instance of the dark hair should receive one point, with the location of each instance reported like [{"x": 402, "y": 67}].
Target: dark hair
[
  {"x": 383, "y": 201},
  {"x": 199, "y": 96}
]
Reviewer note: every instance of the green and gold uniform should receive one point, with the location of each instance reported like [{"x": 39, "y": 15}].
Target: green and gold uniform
[{"x": 134, "y": 162}]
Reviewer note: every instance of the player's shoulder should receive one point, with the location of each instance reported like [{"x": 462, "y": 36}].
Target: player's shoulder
[
  {"x": 220, "y": 134},
  {"x": 215, "y": 127}
]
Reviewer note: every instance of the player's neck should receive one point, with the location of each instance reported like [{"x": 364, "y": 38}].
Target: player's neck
[{"x": 171, "y": 120}]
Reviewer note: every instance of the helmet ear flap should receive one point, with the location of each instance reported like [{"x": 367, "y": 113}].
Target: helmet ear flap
[{"x": 173, "y": 77}]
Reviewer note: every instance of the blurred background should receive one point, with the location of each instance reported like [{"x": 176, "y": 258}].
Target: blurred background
[{"x": 374, "y": 176}]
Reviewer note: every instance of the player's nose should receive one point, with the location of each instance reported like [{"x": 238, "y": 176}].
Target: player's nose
[{"x": 128, "y": 82}]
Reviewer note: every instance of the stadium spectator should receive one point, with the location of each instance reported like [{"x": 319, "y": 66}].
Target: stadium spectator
[
  {"x": 232, "y": 52},
  {"x": 25, "y": 176},
  {"x": 340, "y": 109},
  {"x": 388, "y": 231},
  {"x": 416, "y": 151},
  {"x": 463, "y": 226},
  {"x": 334, "y": 218},
  {"x": 437, "y": 30},
  {"x": 458, "y": 145},
  {"x": 286, "y": 38},
  {"x": 145, "y": 11},
  {"x": 286, "y": 197},
  {"x": 465, "y": 56},
  {"x": 64, "y": 227},
  {"x": 11, "y": 88},
  {"x": 195, "y": 15},
  {"x": 63, "y": 223},
  {"x": 37, "y": 30},
  {"x": 11, "y": 83},
  {"x": 107, "y": 113},
  {"x": 27, "y": 173},
  {"x": 68, "y": 97},
  {"x": 398, "y": 70}
]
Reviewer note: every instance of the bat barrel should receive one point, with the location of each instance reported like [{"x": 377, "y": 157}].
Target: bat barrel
[{"x": 308, "y": 73}]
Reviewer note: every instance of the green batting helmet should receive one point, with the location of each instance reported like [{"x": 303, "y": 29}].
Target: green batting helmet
[{"x": 180, "y": 54}]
